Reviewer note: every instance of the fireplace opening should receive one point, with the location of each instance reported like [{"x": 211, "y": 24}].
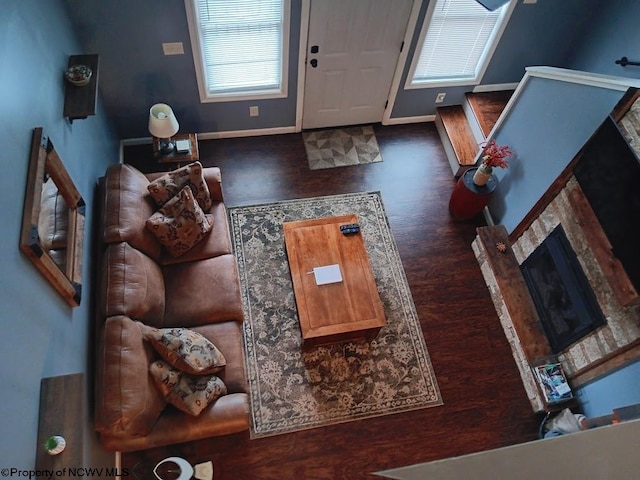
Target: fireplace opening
[{"x": 565, "y": 302}]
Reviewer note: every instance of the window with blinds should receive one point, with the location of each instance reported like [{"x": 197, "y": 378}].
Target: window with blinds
[
  {"x": 455, "y": 43},
  {"x": 240, "y": 47}
]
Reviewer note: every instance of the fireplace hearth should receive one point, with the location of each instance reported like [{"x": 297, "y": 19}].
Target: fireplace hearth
[{"x": 564, "y": 300}]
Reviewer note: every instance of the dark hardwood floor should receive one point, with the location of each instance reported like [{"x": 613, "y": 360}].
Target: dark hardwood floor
[{"x": 485, "y": 405}]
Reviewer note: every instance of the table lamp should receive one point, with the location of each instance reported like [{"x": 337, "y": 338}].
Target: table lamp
[{"x": 163, "y": 125}]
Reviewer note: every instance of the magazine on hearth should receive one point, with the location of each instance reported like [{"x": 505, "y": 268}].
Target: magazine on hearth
[{"x": 553, "y": 382}]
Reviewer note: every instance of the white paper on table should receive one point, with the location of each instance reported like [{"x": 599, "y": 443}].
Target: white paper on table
[{"x": 327, "y": 274}]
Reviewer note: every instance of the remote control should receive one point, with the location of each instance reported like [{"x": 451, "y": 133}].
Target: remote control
[{"x": 350, "y": 229}]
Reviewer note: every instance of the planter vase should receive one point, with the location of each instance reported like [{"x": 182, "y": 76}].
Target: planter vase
[
  {"x": 60, "y": 443},
  {"x": 482, "y": 175}
]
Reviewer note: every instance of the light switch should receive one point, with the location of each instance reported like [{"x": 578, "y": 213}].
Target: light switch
[{"x": 175, "y": 48}]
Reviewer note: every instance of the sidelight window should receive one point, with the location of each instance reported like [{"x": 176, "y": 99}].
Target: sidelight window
[{"x": 456, "y": 43}]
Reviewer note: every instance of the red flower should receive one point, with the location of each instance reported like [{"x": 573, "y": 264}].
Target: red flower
[{"x": 493, "y": 155}]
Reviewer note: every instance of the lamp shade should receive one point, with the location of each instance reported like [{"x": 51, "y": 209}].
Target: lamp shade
[{"x": 162, "y": 121}]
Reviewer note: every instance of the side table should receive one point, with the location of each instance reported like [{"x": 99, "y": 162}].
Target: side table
[
  {"x": 468, "y": 199},
  {"x": 178, "y": 157},
  {"x": 62, "y": 410}
]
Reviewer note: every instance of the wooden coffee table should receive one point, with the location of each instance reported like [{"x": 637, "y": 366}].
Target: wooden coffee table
[{"x": 336, "y": 312}]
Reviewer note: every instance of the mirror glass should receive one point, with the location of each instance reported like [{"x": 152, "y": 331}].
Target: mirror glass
[{"x": 53, "y": 221}]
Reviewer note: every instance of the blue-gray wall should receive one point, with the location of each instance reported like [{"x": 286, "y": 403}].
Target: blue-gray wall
[
  {"x": 547, "y": 126},
  {"x": 620, "y": 388},
  {"x": 136, "y": 74},
  {"x": 43, "y": 336},
  {"x": 545, "y": 33},
  {"x": 128, "y": 35},
  {"x": 612, "y": 35}
]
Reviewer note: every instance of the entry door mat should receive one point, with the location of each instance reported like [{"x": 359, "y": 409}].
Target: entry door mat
[
  {"x": 292, "y": 390},
  {"x": 341, "y": 147}
]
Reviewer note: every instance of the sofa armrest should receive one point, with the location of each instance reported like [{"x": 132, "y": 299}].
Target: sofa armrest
[
  {"x": 214, "y": 181},
  {"x": 229, "y": 414}
]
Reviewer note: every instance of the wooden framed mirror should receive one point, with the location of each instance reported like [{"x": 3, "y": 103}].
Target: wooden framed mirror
[{"x": 53, "y": 220}]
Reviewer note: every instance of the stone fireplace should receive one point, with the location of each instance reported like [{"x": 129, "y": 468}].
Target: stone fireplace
[
  {"x": 608, "y": 346},
  {"x": 595, "y": 201}
]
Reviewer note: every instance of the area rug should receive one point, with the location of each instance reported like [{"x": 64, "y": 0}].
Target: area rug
[
  {"x": 341, "y": 147},
  {"x": 293, "y": 390}
]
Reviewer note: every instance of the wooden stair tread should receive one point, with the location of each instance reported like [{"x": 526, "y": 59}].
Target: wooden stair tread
[
  {"x": 459, "y": 132},
  {"x": 487, "y": 107}
]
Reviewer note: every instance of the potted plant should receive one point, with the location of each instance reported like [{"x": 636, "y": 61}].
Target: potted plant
[
  {"x": 493, "y": 155},
  {"x": 55, "y": 444}
]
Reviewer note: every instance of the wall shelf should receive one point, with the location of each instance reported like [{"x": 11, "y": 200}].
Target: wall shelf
[{"x": 80, "y": 102}]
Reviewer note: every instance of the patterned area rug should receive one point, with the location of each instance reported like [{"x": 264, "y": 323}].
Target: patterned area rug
[
  {"x": 294, "y": 390},
  {"x": 341, "y": 147}
]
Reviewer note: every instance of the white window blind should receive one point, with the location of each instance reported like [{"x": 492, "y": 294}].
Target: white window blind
[
  {"x": 457, "y": 38},
  {"x": 242, "y": 45}
]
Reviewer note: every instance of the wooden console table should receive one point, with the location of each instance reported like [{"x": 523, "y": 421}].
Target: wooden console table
[{"x": 62, "y": 412}]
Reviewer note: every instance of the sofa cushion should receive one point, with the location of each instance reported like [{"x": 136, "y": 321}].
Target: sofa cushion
[
  {"x": 189, "y": 393},
  {"x": 180, "y": 223},
  {"x": 127, "y": 400},
  {"x": 227, "y": 336},
  {"x": 127, "y": 206},
  {"x": 217, "y": 242},
  {"x": 202, "y": 292},
  {"x": 133, "y": 285},
  {"x": 167, "y": 186},
  {"x": 185, "y": 349}
]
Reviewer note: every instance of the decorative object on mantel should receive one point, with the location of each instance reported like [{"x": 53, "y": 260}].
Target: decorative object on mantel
[
  {"x": 493, "y": 155},
  {"x": 55, "y": 444},
  {"x": 78, "y": 75}
]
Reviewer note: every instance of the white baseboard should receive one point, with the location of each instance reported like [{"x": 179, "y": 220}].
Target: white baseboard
[
  {"x": 127, "y": 142},
  {"x": 247, "y": 133},
  {"x": 495, "y": 87},
  {"x": 407, "y": 120}
]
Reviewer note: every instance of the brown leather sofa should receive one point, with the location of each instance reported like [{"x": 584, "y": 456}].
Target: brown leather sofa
[{"x": 140, "y": 282}]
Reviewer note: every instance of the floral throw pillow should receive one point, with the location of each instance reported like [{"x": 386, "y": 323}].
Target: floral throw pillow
[
  {"x": 189, "y": 393},
  {"x": 180, "y": 224},
  {"x": 164, "y": 188},
  {"x": 185, "y": 349}
]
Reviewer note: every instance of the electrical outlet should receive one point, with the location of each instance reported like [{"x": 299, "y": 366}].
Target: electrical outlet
[
  {"x": 440, "y": 97},
  {"x": 175, "y": 48},
  {"x": 254, "y": 111}
]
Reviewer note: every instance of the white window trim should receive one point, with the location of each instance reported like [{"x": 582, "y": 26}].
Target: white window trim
[
  {"x": 205, "y": 96},
  {"x": 484, "y": 61}
]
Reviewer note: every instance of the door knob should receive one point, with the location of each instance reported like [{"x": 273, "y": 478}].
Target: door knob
[
  {"x": 314, "y": 63},
  {"x": 315, "y": 49}
]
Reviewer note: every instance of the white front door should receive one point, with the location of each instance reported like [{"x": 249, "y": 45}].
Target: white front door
[{"x": 352, "y": 51}]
